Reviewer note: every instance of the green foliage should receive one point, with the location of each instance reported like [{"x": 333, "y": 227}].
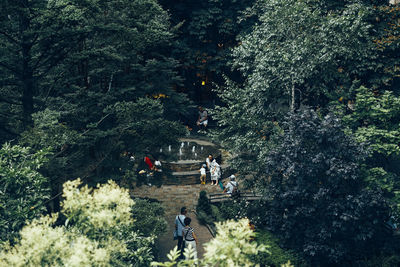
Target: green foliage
[
  {"x": 231, "y": 247},
  {"x": 296, "y": 54},
  {"x": 276, "y": 256},
  {"x": 43, "y": 245},
  {"x": 234, "y": 209},
  {"x": 216, "y": 213},
  {"x": 374, "y": 119},
  {"x": 381, "y": 261},
  {"x": 386, "y": 40},
  {"x": 94, "y": 80},
  {"x": 292, "y": 55},
  {"x": 318, "y": 204},
  {"x": 203, "y": 204},
  {"x": 148, "y": 217},
  {"x": 99, "y": 231},
  {"x": 49, "y": 132},
  {"x": 24, "y": 190},
  {"x": 207, "y": 30},
  {"x": 204, "y": 209}
]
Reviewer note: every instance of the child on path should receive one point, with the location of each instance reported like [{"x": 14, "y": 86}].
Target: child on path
[{"x": 203, "y": 174}]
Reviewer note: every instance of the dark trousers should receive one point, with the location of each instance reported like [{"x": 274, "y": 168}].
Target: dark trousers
[{"x": 181, "y": 246}]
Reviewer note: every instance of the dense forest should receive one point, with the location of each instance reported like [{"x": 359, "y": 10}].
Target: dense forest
[{"x": 303, "y": 94}]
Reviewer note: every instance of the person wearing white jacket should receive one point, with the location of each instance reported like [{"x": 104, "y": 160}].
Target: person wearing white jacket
[{"x": 215, "y": 171}]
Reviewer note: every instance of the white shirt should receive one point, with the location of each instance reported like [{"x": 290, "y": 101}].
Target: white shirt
[
  {"x": 208, "y": 163},
  {"x": 230, "y": 186},
  {"x": 178, "y": 223},
  {"x": 202, "y": 171}
]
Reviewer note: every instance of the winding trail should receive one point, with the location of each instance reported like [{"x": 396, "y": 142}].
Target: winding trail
[{"x": 173, "y": 197}]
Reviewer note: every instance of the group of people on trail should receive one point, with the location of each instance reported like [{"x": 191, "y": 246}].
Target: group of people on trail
[
  {"x": 185, "y": 234},
  {"x": 214, "y": 168},
  {"x": 150, "y": 168}
]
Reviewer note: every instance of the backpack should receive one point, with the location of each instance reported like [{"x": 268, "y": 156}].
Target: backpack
[{"x": 235, "y": 190}]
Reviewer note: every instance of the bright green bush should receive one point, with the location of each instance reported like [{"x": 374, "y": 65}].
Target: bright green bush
[
  {"x": 216, "y": 213},
  {"x": 203, "y": 204},
  {"x": 23, "y": 189},
  {"x": 276, "y": 256},
  {"x": 148, "y": 220}
]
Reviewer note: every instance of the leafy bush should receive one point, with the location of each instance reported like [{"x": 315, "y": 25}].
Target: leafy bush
[
  {"x": 232, "y": 209},
  {"x": 204, "y": 218},
  {"x": 99, "y": 231},
  {"x": 276, "y": 256},
  {"x": 216, "y": 213},
  {"x": 318, "y": 201},
  {"x": 148, "y": 217},
  {"x": 204, "y": 209},
  {"x": 23, "y": 189},
  {"x": 375, "y": 119},
  {"x": 203, "y": 204}
]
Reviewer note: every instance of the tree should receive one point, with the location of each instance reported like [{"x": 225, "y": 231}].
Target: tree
[
  {"x": 207, "y": 30},
  {"x": 317, "y": 201},
  {"x": 295, "y": 51},
  {"x": 386, "y": 40},
  {"x": 24, "y": 190},
  {"x": 296, "y": 54},
  {"x": 373, "y": 119},
  {"x": 112, "y": 94},
  {"x": 36, "y": 41},
  {"x": 98, "y": 231}
]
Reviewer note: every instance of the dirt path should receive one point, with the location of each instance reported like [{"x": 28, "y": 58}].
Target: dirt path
[{"x": 173, "y": 197}]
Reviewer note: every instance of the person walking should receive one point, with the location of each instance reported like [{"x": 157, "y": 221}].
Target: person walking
[
  {"x": 203, "y": 174},
  {"x": 189, "y": 236},
  {"x": 179, "y": 225}
]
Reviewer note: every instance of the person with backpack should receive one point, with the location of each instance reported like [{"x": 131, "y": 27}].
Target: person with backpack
[
  {"x": 232, "y": 187},
  {"x": 179, "y": 225}
]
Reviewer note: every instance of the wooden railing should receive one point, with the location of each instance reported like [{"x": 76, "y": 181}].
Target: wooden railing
[{"x": 245, "y": 195}]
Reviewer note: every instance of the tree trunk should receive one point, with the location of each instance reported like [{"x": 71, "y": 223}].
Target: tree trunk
[
  {"x": 293, "y": 98},
  {"x": 27, "y": 73}
]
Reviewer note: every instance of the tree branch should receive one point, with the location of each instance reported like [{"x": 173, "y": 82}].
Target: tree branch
[
  {"x": 15, "y": 71},
  {"x": 10, "y": 37}
]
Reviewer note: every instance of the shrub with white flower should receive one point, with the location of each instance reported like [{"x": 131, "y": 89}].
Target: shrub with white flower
[
  {"x": 104, "y": 208},
  {"x": 44, "y": 245},
  {"x": 99, "y": 231},
  {"x": 232, "y": 247}
]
